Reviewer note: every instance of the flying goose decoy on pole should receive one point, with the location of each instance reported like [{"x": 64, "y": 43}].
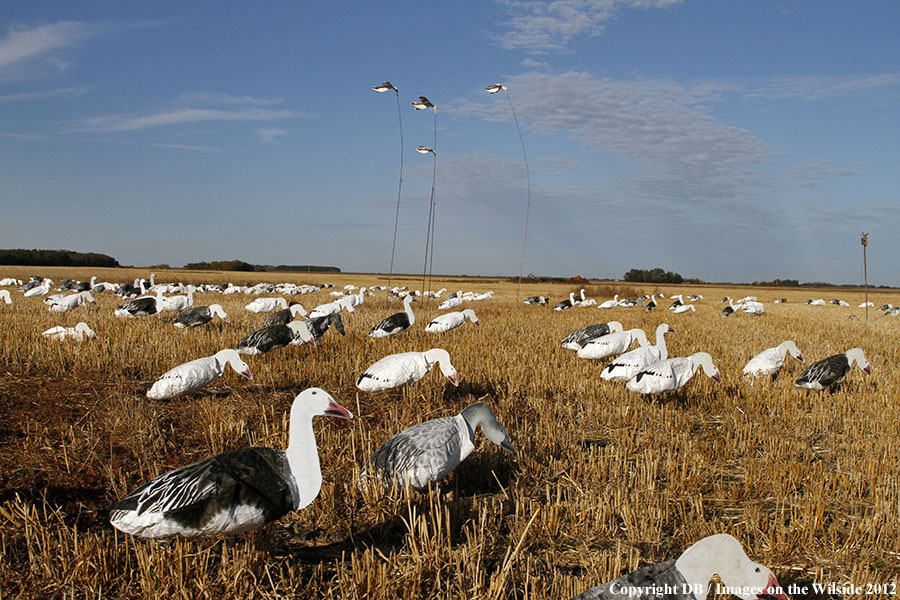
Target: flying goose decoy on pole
[
  {"x": 384, "y": 87},
  {"x": 422, "y": 103},
  {"x": 237, "y": 491},
  {"x": 687, "y": 577},
  {"x": 428, "y": 452}
]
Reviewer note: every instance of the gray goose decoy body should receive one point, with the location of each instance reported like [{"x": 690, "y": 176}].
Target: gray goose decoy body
[
  {"x": 237, "y": 491},
  {"x": 395, "y": 323},
  {"x": 829, "y": 371},
  {"x": 577, "y": 339},
  {"x": 274, "y": 337},
  {"x": 319, "y": 325},
  {"x": 539, "y": 300},
  {"x": 200, "y": 315},
  {"x": 687, "y": 577},
  {"x": 285, "y": 315},
  {"x": 429, "y": 451}
]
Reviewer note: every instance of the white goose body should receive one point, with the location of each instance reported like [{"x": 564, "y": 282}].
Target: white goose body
[
  {"x": 71, "y": 301},
  {"x": 770, "y": 361},
  {"x": 683, "y": 308},
  {"x": 177, "y": 303},
  {"x": 448, "y": 321},
  {"x": 687, "y": 578},
  {"x": 580, "y": 337},
  {"x": 237, "y": 491},
  {"x": 330, "y": 308},
  {"x": 78, "y": 332},
  {"x": 196, "y": 374},
  {"x": 399, "y": 369},
  {"x": 672, "y": 373},
  {"x": 612, "y": 344},
  {"x": 264, "y": 305},
  {"x": 631, "y": 363},
  {"x": 430, "y": 451},
  {"x": 451, "y": 302},
  {"x": 609, "y": 303},
  {"x": 753, "y": 307},
  {"x": 40, "y": 290},
  {"x": 4, "y": 295}
]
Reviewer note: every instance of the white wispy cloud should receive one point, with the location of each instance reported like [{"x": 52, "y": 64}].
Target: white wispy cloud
[
  {"x": 270, "y": 135},
  {"x": 813, "y": 172},
  {"x": 71, "y": 92},
  {"x": 189, "y": 147},
  {"x": 23, "y": 44},
  {"x": 223, "y": 99},
  {"x": 548, "y": 26},
  {"x": 118, "y": 123}
]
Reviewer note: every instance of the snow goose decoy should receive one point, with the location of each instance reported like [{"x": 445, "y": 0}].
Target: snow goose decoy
[
  {"x": 565, "y": 304},
  {"x": 428, "y": 452},
  {"x": 770, "y": 361},
  {"x": 448, "y": 321},
  {"x": 193, "y": 375},
  {"x": 679, "y": 300},
  {"x": 683, "y": 308},
  {"x": 609, "y": 303},
  {"x": 78, "y": 332},
  {"x": 319, "y": 325},
  {"x": 274, "y": 337},
  {"x": 329, "y": 308},
  {"x": 829, "y": 371},
  {"x": 286, "y": 315},
  {"x": 694, "y": 297},
  {"x": 451, "y": 302},
  {"x": 4, "y": 295},
  {"x": 237, "y": 491},
  {"x": 687, "y": 577},
  {"x": 753, "y": 307},
  {"x": 539, "y": 300},
  {"x": 612, "y": 344},
  {"x": 399, "y": 369},
  {"x": 200, "y": 315},
  {"x": 672, "y": 373},
  {"x": 68, "y": 302},
  {"x": 730, "y": 308},
  {"x": 893, "y": 312},
  {"x": 652, "y": 304},
  {"x": 140, "y": 307},
  {"x": 41, "y": 289},
  {"x": 631, "y": 363},
  {"x": 580, "y": 337},
  {"x": 177, "y": 303},
  {"x": 264, "y": 305},
  {"x": 396, "y": 323}
]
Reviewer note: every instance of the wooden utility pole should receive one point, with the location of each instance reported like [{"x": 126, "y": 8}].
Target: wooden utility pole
[{"x": 865, "y": 242}]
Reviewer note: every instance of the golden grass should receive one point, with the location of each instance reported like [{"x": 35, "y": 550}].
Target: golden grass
[{"x": 602, "y": 482}]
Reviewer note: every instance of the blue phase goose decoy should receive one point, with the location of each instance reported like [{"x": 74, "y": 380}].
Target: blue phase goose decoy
[
  {"x": 612, "y": 344},
  {"x": 448, "y": 321},
  {"x": 687, "y": 577},
  {"x": 286, "y": 315},
  {"x": 200, "y": 315},
  {"x": 539, "y": 300},
  {"x": 140, "y": 307},
  {"x": 396, "y": 323},
  {"x": 237, "y": 491},
  {"x": 769, "y": 361},
  {"x": 429, "y": 451},
  {"x": 274, "y": 337},
  {"x": 399, "y": 369},
  {"x": 193, "y": 375},
  {"x": 78, "y": 332},
  {"x": 566, "y": 304},
  {"x": 264, "y": 305},
  {"x": 319, "y": 325},
  {"x": 829, "y": 371},
  {"x": 580, "y": 337},
  {"x": 651, "y": 304},
  {"x": 631, "y": 363},
  {"x": 672, "y": 373}
]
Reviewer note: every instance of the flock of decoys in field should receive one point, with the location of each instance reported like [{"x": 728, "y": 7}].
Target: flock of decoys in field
[{"x": 244, "y": 489}]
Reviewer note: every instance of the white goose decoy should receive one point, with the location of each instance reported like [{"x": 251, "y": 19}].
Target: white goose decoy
[
  {"x": 193, "y": 375},
  {"x": 200, "y": 315},
  {"x": 399, "y": 369},
  {"x": 4, "y": 295},
  {"x": 428, "y": 452},
  {"x": 451, "y": 302},
  {"x": 396, "y": 323},
  {"x": 323, "y": 310},
  {"x": 40, "y": 290},
  {"x": 264, "y": 305},
  {"x": 672, "y": 373},
  {"x": 580, "y": 337},
  {"x": 769, "y": 361},
  {"x": 566, "y": 303},
  {"x": 609, "y": 303},
  {"x": 71, "y": 301},
  {"x": 237, "y": 491},
  {"x": 612, "y": 344},
  {"x": 683, "y": 308},
  {"x": 78, "y": 332},
  {"x": 448, "y": 321},
  {"x": 829, "y": 371},
  {"x": 177, "y": 303},
  {"x": 273, "y": 337},
  {"x": 687, "y": 578},
  {"x": 753, "y": 307},
  {"x": 631, "y": 363}
]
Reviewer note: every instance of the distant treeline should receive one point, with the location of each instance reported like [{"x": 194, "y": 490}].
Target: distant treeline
[
  {"x": 652, "y": 276},
  {"x": 56, "y": 258},
  {"x": 239, "y": 265}
]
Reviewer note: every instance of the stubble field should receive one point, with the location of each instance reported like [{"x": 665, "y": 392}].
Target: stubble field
[{"x": 602, "y": 480}]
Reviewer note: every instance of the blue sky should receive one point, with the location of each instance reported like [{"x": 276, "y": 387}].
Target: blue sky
[{"x": 726, "y": 140}]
